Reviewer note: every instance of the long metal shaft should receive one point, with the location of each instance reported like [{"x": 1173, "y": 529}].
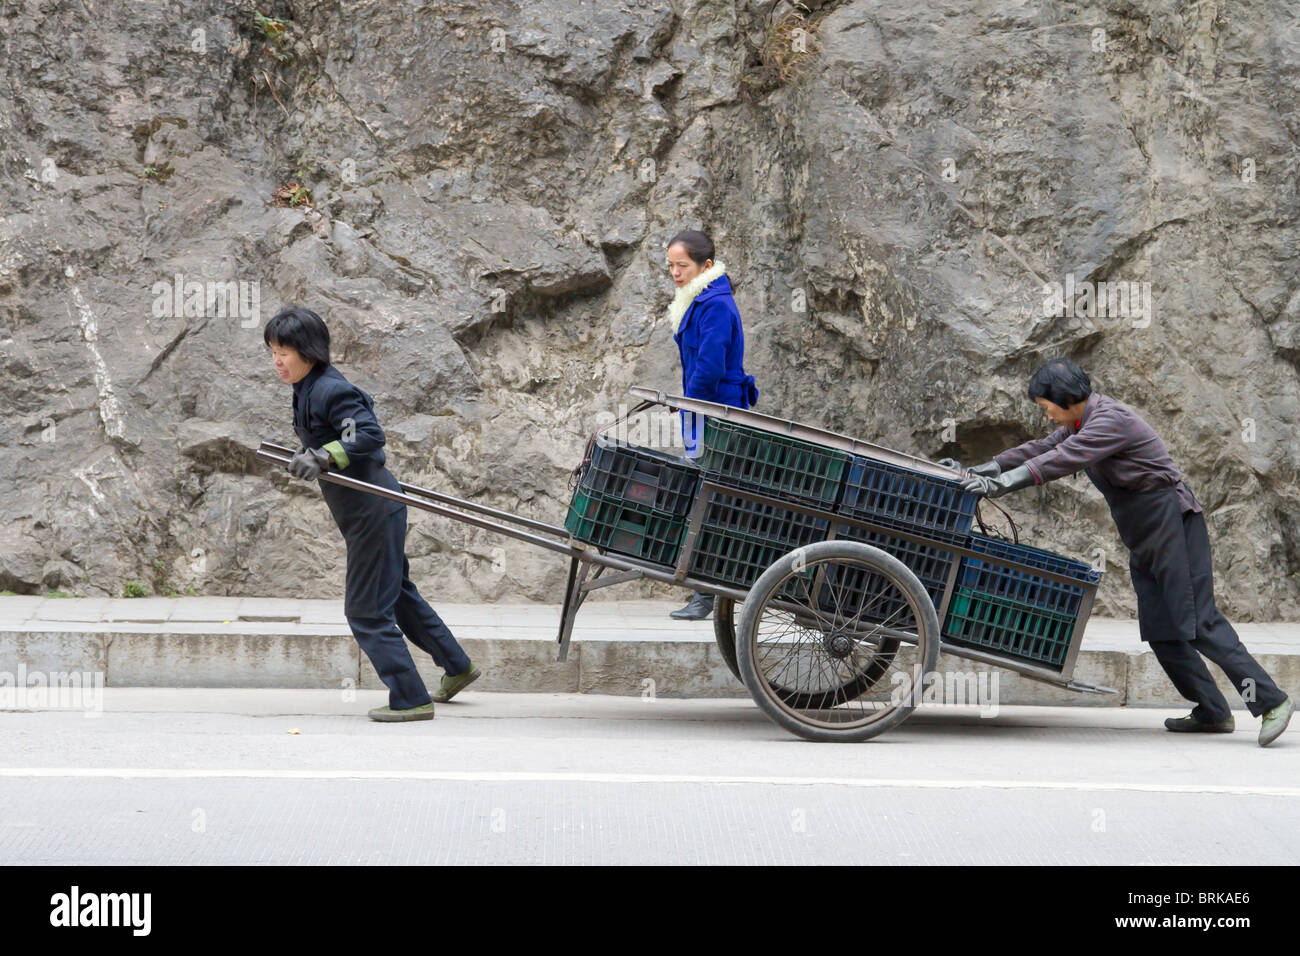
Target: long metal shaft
[
  {"x": 416, "y": 501},
  {"x": 448, "y": 499}
]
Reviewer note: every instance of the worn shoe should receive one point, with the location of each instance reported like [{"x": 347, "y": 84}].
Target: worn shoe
[
  {"x": 451, "y": 686},
  {"x": 1190, "y": 725},
  {"x": 1275, "y": 722},
  {"x": 387, "y": 714},
  {"x": 697, "y": 609}
]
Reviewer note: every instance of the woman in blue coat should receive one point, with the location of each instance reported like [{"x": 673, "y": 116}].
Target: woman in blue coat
[{"x": 711, "y": 343}]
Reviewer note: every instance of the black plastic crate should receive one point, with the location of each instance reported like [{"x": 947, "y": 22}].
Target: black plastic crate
[
  {"x": 898, "y": 497},
  {"x": 613, "y": 524},
  {"x": 740, "y": 539},
  {"x": 764, "y": 461},
  {"x": 1024, "y": 587},
  {"x": 850, "y": 588},
  {"x": 642, "y": 476}
]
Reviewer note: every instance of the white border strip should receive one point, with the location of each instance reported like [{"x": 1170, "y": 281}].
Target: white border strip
[{"x": 511, "y": 776}]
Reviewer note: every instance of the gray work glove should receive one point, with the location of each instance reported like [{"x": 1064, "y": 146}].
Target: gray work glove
[
  {"x": 990, "y": 469},
  {"x": 996, "y": 487},
  {"x": 308, "y": 464},
  {"x": 952, "y": 463}
]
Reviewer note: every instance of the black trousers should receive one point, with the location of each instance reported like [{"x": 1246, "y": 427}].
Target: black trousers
[
  {"x": 1215, "y": 640},
  {"x": 380, "y": 634}
]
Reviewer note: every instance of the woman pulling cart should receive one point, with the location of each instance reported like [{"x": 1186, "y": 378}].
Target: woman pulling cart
[{"x": 336, "y": 424}]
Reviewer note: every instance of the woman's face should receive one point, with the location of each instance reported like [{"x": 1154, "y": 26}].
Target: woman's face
[
  {"x": 1058, "y": 415},
  {"x": 289, "y": 365},
  {"x": 682, "y": 267}
]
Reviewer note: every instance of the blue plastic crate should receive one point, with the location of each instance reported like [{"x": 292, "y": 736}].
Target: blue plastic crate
[
  {"x": 898, "y": 497},
  {"x": 1025, "y": 587}
]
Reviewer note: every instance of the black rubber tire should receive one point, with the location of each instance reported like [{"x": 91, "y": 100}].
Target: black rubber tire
[
  {"x": 724, "y": 632},
  {"x": 787, "y": 708}
]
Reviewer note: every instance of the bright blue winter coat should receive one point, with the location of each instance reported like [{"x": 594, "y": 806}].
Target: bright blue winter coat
[
  {"x": 711, "y": 343},
  {"x": 712, "y": 347}
]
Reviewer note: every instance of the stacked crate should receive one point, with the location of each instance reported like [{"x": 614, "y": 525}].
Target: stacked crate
[
  {"x": 738, "y": 538},
  {"x": 1017, "y": 613},
  {"x": 895, "y": 497},
  {"x": 637, "y": 502},
  {"x": 634, "y": 501},
  {"x": 1012, "y": 613}
]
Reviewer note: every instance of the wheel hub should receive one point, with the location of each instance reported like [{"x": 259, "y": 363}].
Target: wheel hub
[{"x": 838, "y": 645}]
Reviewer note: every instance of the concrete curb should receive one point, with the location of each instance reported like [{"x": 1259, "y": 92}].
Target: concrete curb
[{"x": 688, "y": 666}]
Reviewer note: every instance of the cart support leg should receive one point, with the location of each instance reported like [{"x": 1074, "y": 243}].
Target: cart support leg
[{"x": 573, "y": 598}]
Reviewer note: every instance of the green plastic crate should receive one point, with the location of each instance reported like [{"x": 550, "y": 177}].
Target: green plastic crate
[
  {"x": 1009, "y": 628},
  {"x": 614, "y": 524},
  {"x": 764, "y": 461}
]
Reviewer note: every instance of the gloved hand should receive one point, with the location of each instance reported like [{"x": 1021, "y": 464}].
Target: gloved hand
[
  {"x": 952, "y": 463},
  {"x": 999, "y": 485},
  {"x": 308, "y": 464},
  {"x": 990, "y": 469}
]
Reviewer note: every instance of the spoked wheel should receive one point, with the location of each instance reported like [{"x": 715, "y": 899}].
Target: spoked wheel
[
  {"x": 724, "y": 634},
  {"x": 724, "y": 631},
  {"x": 818, "y": 642}
]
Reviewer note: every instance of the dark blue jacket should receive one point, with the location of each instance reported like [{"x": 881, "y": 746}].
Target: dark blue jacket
[
  {"x": 712, "y": 347},
  {"x": 328, "y": 409}
]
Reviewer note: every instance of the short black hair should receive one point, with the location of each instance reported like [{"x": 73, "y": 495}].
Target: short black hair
[
  {"x": 302, "y": 330},
  {"x": 698, "y": 245},
  {"x": 1061, "y": 382}
]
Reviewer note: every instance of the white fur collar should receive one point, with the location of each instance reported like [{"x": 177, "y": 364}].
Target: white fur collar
[{"x": 687, "y": 293}]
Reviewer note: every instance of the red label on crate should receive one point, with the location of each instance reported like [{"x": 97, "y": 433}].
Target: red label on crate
[
  {"x": 642, "y": 494},
  {"x": 626, "y": 542}
]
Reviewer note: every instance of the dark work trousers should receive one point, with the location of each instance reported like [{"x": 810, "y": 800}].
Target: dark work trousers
[
  {"x": 403, "y": 611},
  {"x": 1215, "y": 640}
]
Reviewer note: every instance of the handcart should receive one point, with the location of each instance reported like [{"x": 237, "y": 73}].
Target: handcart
[{"x": 836, "y": 631}]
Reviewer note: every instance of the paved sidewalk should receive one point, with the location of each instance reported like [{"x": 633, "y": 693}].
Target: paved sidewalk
[{"x": 619, "y": 647}]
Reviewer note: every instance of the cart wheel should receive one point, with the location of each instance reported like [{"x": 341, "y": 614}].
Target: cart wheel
[
  {"x": 724, "y": 631},
  {"x": 819, "y": 632}
]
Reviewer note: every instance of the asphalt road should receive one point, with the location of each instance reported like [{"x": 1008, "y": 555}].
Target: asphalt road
[{"x": 206, "y": 776}]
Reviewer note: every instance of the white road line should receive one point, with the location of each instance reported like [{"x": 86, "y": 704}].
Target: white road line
[{"x": 512, "y": 776}]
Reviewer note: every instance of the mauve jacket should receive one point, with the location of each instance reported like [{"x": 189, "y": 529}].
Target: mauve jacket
[{"x": 1112, "y": 439}]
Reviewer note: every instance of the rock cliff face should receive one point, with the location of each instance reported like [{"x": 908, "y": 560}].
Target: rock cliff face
[{"x": 891, "y": 186}]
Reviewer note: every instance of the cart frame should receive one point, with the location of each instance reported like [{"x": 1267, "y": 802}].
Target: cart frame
[{"x": 588, "y": 564}]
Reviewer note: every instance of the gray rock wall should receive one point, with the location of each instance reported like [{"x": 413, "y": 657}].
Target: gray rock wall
[{"x": 493, "y": 183}]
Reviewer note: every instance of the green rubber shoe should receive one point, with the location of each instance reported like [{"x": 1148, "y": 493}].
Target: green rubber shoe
[
  {"x": 451, "y": 686},
  {"x": 388, "y": 715},
  {"x": 1275, "y": 722}
]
